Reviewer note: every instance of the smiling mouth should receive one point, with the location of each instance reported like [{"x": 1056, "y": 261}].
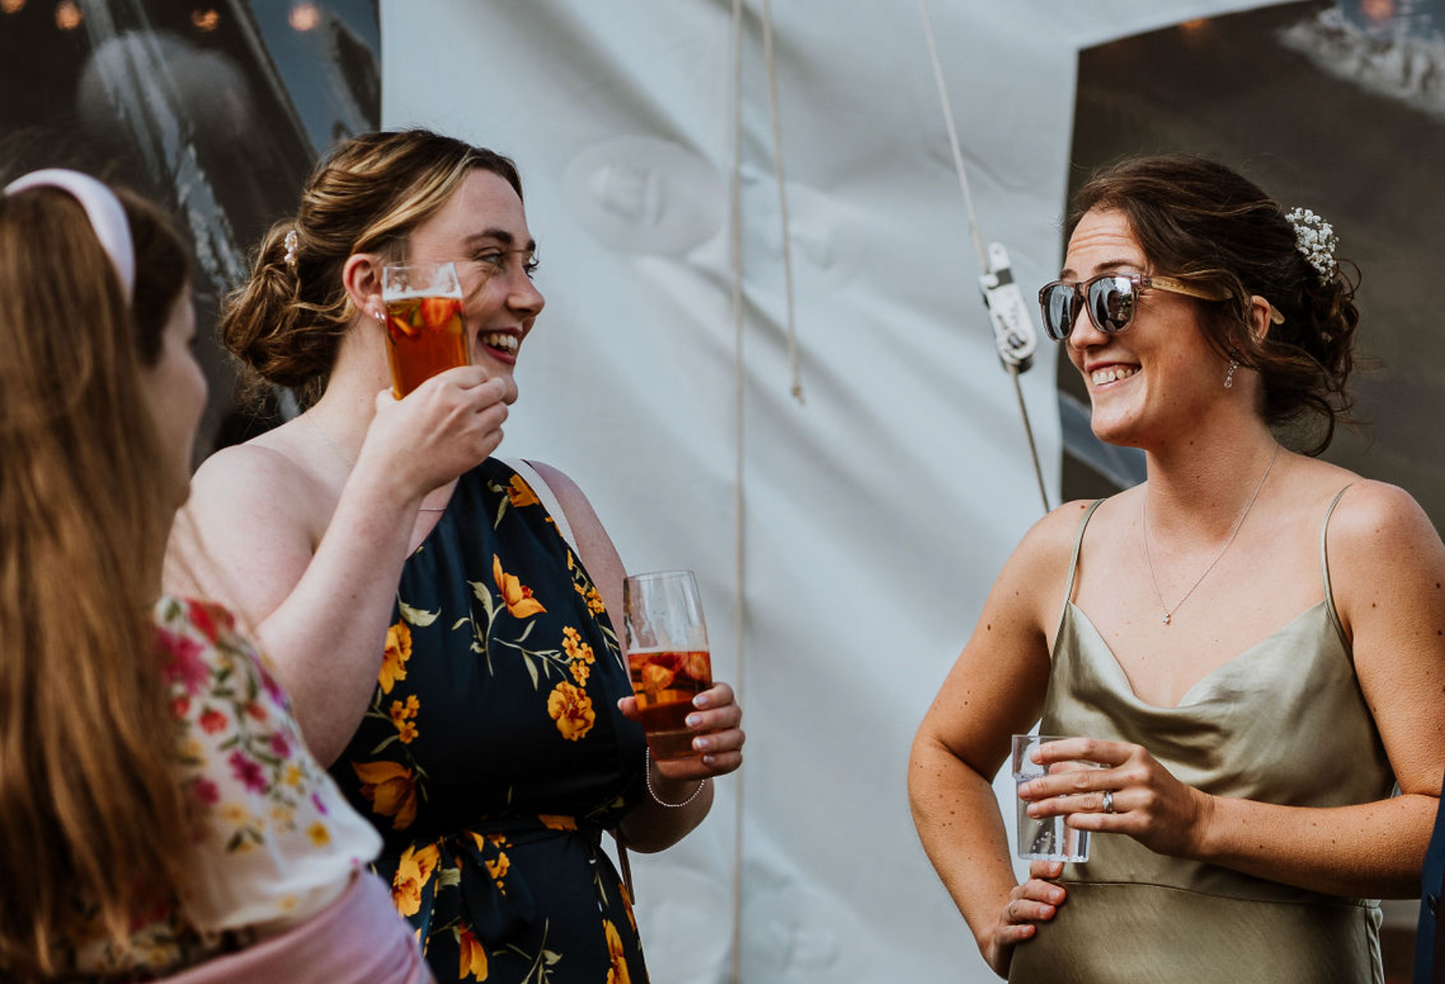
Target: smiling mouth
[
  {"x": 1112, "y": 374},
  {"x": 502, "y": 342}
]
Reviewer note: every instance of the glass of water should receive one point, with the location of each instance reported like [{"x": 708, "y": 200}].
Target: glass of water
[{"x": 1046, "y": 838}]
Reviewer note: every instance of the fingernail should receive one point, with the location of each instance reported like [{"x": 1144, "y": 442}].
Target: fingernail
[
  {"x": 700, "y": 701},
  {"x": 1056, "y": 897},
  {"x": 693, "y": 720},
  {"x": 709, "y": 760},
  {"x": 702, "y": 744}
]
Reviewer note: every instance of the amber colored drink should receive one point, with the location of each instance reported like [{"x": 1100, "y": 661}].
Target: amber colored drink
[
  {"x": 424, "y": 337},
  {"x": 665, "y": 684}
]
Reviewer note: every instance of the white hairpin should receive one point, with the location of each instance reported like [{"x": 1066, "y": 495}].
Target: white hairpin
[
  {"x": 290, "y": 257},
  {"x": 1315, "y": 238},
  {"x": 102, "y": 207}
]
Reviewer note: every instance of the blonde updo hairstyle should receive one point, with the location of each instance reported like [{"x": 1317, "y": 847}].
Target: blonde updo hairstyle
[{"x": 366, "y": 196}]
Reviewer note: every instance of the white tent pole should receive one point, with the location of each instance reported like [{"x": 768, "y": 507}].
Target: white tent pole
[{"x": 740, "y": 609}]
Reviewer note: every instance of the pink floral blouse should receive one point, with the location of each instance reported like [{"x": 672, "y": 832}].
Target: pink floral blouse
[{"x": 278, "y": 841}]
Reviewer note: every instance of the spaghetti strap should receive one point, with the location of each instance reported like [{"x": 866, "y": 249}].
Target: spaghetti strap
[
  {"x": 544, "y": 492},
  {"x": 1325, "y": 566},
  {"x": 1074, "y": 560}
]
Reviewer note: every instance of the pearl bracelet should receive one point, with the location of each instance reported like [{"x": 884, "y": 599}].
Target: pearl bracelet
[{"x": 647, "y": 775}]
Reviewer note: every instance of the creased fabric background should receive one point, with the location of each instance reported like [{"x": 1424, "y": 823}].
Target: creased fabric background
[{"x": 878, "y": 513}]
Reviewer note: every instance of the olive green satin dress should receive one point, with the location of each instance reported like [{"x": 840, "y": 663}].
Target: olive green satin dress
[{"x": 1282, "y": 722}]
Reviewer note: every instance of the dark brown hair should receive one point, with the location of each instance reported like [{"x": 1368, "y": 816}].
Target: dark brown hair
[
  {"x": 365, "y": 196},
  {"x": 90, "y": 810},
  {"x": 1202, "y": 222}
]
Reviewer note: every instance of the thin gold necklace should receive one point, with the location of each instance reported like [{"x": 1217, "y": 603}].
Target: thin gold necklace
[
  {"x": 348, "y": 462},
  {"x": 1170, "y": 610}
]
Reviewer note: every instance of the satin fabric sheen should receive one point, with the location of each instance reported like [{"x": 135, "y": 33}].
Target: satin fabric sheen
[{"x": 1283, "y": 722}]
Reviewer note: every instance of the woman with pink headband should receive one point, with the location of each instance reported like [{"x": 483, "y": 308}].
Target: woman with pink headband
[{"x": 159, "y": 812}]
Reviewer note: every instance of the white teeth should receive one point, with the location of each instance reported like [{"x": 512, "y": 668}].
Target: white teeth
[
  {"x": 1111, "y": 374},
  {"x": 500, "y": 340}
]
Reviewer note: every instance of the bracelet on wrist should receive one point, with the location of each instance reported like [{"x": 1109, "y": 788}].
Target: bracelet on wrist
[{"x": 647, "y": 775}]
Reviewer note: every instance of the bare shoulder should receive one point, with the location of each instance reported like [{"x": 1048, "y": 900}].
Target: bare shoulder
[
  {"x": 593, "y": 542},
  {"x": 1049, "y": 543},
  {"x": 1385, "y": 557},
  {"x": 1376, "y": 519},
  {"x": 255, "y": 477},
  {"x": 250, "y": 527},
  {"x": 567, "y": 491},
  {"x": 599, "y": 556}
]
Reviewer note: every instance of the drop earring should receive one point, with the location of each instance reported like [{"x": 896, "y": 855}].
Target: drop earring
[{"x": 1229, "y": 376}]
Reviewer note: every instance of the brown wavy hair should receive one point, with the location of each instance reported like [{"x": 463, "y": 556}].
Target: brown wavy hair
[
  {"x": 366, "y": 196},
  {"x": 1202, "y": 222},
  {"x": 91, "y": 817}
]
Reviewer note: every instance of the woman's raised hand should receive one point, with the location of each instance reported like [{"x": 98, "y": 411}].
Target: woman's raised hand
[
  {"x": 1132, "y": 794},
  {"x": 716, "y": 722},
  {"x": 444, "y": 427},
  {"x": 1033, "y": 902}
]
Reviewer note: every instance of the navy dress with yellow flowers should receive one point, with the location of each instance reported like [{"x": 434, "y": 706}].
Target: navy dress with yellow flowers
[{"x": 493, "y": 755}]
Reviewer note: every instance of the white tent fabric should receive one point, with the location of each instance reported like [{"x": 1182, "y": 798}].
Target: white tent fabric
[{"x": 878, "y": 512}]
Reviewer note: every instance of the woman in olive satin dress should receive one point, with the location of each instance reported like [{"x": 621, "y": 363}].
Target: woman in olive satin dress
[{"x": 1251, "y": 644}]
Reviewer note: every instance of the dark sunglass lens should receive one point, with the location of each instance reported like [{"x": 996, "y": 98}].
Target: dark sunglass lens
[
  {"x": 1111, "y": 303},
  {"x": 1058, "y": 311}
]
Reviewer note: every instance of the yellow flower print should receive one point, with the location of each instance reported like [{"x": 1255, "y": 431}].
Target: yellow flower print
[
  {"x": 235, "y": 814},
  {"x": 498, "y": 869},
  {"x": 516, "y": 595},
  {"x": 293, "y": 774},
  {"x": 593, "y": 599},
  {"x": 318, "y": 833},
  {"x": 520, "y": 493},
  {"x": 553, "y": 821},
  {"x": 618, "y": 974},
  {"x": 474, "y": 957},
  {"x": 413, "y": 871},
  {"x": 390, "y": 788},
  {"x": 571, "y": 641},
  {"x": 572, "y": 710},
  {"x": 398, "y": 651},
  {"x": 402, "y": 716},
  {"x": 580, "y": 672}
]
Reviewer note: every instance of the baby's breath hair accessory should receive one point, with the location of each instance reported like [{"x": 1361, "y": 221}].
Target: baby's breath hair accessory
[
  {"x": 290, "y": 257},
  {"x": 1315, "y": 238}
]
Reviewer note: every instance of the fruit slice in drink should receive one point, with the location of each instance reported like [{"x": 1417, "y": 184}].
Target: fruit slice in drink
[
  {"x": 423, "y": 337},
  {"x": 665, "y": 682}
]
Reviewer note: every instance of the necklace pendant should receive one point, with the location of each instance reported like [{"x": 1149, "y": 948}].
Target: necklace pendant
[{"x": 1167, "y": 617}]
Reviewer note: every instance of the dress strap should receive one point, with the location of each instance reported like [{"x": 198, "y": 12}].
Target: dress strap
[
  {"x": 544, "y": 492},
  {"x": 1074, "y": 558},
  {"x": 1325, "y": 564}
]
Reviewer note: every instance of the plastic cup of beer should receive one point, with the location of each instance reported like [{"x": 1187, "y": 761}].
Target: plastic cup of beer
[
  {"x": 667, "y": 656},
  {"x": 1046, "y": 838},
  {"x": 424, "y": 333}
]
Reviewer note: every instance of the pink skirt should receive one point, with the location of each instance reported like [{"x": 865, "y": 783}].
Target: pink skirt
[{"x": 357, "y": 939}]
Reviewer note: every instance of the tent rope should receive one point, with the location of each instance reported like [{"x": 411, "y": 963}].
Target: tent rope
[
  {"x": 1013, "y": 370},
  {"x": 793, "y": 359}
]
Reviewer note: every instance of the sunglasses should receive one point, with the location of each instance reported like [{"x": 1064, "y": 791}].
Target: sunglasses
[{"x": 1109, "y": 299}]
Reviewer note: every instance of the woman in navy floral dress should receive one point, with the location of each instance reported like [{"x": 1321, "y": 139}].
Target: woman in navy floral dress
[{"x": 448, "y": 649}]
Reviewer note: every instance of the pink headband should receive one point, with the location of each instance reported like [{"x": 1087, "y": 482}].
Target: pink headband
[{"x": 106, "y": 214}]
